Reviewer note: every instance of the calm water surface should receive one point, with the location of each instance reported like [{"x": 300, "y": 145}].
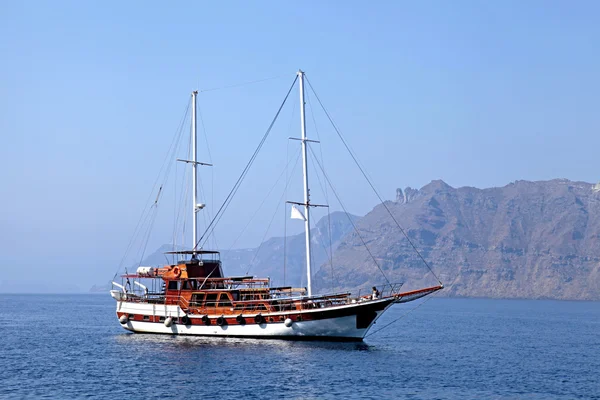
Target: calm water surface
[{"x": 71, "y": 346}]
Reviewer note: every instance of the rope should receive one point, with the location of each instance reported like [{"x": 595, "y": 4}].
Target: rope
[
  {"x": 284, "y": 242},
  {"x": 347, "y": 215},
  {"x": 206, "y": 212},
  {"x": 264, "y": 200},
  {"x": 144, "y": 216},
  {"x": 250, "y": 265},
  {"x": 312, "y": 114},
  {"x": 183, "y": 202},
  {"x": 227, "y": 201},
  {"x": 330, "y": 253},
  {"x": 400, "y": 317},
  {"x": 370, "y": 183},
  {"x": 412, "y": 309},
  {"x": 285, "y": 212}
]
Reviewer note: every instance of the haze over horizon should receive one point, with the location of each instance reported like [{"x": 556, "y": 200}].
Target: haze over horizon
[{"x": 475, "y": 94}]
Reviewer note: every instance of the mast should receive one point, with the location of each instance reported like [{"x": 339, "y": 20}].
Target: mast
[
  {"x": 194, "y": 161},
  {"x": 194, "y": 176},
  {"x": 306, "y": 190}
]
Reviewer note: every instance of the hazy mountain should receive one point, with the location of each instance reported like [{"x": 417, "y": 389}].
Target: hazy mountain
[
  {"x": 523, "y": 240},
  {"x": 267, "y": 260}
]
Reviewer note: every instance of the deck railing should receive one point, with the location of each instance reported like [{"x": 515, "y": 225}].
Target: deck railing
[{"x": 259, "y": 300}]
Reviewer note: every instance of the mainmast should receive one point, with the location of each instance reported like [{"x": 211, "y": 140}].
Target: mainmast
[
  {"x": 306, "y": 190},
  {"x": 194, "y": 176}
]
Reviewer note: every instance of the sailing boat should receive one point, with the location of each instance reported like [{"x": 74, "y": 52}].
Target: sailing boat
[{"x": 194, "y": 297}]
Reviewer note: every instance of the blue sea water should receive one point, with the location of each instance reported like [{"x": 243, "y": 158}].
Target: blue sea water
[{"x": 72, "y": 346}]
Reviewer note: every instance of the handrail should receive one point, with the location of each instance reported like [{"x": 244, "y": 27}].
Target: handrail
[{"x": 252, "y": 303}]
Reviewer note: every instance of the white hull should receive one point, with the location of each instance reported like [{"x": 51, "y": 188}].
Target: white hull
[{"x": 336, "y": 328}]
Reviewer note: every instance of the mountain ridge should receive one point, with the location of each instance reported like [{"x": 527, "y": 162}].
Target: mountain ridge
[{"x": 527, "y": 239}]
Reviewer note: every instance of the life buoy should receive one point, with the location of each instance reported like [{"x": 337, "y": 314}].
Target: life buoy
[
  {"x": 240, "y": 320},
  {"x": 259, "y": 319},
  {"x": 206, "y": 320},
  {"x": 221, "y": 321},
  {"x": 176, "y": 272},
  {"x": 185, "y": 320}
]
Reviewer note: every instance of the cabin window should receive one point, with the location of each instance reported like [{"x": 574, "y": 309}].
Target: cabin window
[
  {"x": 197, "y": 298},
  {"x": 146, "y": 318},
  {"x": 161, "y": 319},
  {"x": 224, "y": 300},
  {"x": 192, "y": 284},
  {"x": 173, "y": 285},
  {"x": 211, "y": 300}
]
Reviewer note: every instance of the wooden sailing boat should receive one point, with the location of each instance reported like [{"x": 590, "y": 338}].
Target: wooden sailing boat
[{"x": 194, "y": 297}]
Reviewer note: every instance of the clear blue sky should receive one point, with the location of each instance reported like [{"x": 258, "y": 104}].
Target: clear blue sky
[{"x": 475, "y": 93}]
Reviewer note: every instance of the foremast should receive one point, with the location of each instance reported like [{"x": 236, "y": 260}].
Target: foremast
[
  {"x": 194, "y": 161},
  {"x": 194, "y": 176}
]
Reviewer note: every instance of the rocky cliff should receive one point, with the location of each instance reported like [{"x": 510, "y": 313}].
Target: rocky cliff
[{"x": 523, "y": 240}]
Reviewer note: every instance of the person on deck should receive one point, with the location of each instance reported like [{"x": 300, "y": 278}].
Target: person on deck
[{"x": 375, "y": 293}]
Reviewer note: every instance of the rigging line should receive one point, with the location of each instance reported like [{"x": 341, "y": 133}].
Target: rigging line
[
  {"x": 330, "y": 254},
  {"x": 326, "y": 193},
  {"x": 180, "y": 221},
  {"x": 413, "y": 309},
  {"x": 287, "y": 157},
  {"x": 250, "y": 265},
  {"x": 207, "y": 214},
  {"x": 212, "y": 172},
  {"x": 135, "y": 231},
  {"x": 184, "y": 192},
  {"x": 148, "y": 232},
  {"x": 324, "y": 247},
  {"x": 204, "y": 131},
  {"x": 242, "y": 84},
  {"x": 347, "y": 215},
  {"x": 172, "y": 150},
  {"x": 371, "y": 184},
  {"x": 227, "y": 201},
  {"x": 273, "y": 217},
  {"x": 400, "y": 317},
  {"x": 182, "y": 204},
  {"x": 284, "y": 242},
  {"x": 330, "y": 250},
  {"x": 174, "y": 212},
  {"x": 265, "y": 199}
]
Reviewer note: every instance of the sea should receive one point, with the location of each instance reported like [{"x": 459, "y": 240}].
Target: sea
[{"x": 72, "y": 346}]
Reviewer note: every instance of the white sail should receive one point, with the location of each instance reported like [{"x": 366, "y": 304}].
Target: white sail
[{"x": 297, "y": 214}]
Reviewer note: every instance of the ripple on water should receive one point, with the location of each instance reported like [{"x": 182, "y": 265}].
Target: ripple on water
[{"x": 71, "y": 346}]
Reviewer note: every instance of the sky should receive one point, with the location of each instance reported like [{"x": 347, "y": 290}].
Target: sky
[{"x": 92, "y": 94}]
